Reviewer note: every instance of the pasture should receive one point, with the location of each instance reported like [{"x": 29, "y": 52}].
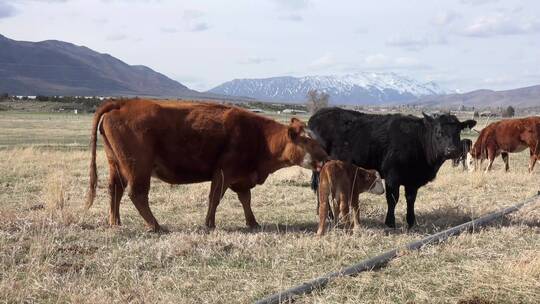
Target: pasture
[{"x": 51, "y": 250}]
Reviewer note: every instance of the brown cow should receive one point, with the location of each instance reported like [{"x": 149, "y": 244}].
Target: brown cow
[
  {"x": 503, "y": 137},
  {"x": 344, "y": 182},
  {"x": 188, "y": 142}
]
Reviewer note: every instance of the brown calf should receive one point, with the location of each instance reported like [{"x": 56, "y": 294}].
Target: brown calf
[
  {"x": 344, "y": 182},
  {"x": 503, "y": 137},
  {"x": 189, "y": 142}
]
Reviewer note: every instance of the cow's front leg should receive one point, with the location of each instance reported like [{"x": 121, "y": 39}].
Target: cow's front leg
[
  {"x": 245, "y": 199},
  {"x": 410, "y": 196},
  {"x": 392, "y": 197},
  {"x": 217, "y": 189}
]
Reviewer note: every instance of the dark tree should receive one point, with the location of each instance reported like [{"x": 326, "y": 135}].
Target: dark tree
[
  {"x": 508, "y": 112},
  {"x": 316, "y": 100}
]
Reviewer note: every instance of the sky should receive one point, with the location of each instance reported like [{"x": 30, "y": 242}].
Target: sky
[{"x": 459, "y": 44}]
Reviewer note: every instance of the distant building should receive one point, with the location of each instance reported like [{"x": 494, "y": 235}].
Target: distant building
[{"x": 293, "y": 111}]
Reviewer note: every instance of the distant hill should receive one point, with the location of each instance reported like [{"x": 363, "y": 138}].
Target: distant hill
[
  {"x": 357, "y": 88},
  {"x": 522, "y": 97},
  {"x": 54, "y": 67}
]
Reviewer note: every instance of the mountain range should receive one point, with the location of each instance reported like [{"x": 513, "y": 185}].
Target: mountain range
[
  {"x": 55, "y": 67},
  {"x": 356, "y": 88},
  {"x": 522, "y": 97}
]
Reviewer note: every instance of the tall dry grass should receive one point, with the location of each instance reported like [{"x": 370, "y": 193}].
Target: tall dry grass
[{"x": 51, "y": 250}]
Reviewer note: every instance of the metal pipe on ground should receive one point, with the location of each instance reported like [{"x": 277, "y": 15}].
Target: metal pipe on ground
[{"x": 381, "y": 260}]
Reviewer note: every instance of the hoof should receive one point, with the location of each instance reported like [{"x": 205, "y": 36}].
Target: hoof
[
  {"x": 254, "y": 226},
  {"x": 157, "y": 229},
  {"x": 390, "y": 224}
]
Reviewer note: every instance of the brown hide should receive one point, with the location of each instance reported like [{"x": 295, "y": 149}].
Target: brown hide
[
  {"x": 340, "y": 184},
  {"x": 191, "y": 142},
  {"x": 508, "y": 136}
]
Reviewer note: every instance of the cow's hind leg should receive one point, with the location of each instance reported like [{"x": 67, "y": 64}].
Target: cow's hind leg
[
  {"x": 218, "y": 187},
  {"x": 355, "y": 211},
  {"x": 138, "y": 193},
  {"x": 491, "y": 158},
  {"x": 117, "y": 185},
  {"x": 324, "y": 206},
  {"x": 410, "y": 196},
  {"x": 506, "y": 160},
  {"x": 344, "y": 208},
  {"x": 532, "y": 161},
  {"x": 392, "y": 197}
]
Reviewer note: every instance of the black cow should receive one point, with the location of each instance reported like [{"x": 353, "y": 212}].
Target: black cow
[
  {"x": 464, "y": 148},
  {"x": 406, "y": 150}
]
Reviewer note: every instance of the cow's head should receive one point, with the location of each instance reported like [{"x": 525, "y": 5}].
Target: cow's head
[
  {"x": 376, "y": 183},
  {"x": 443, "y": 135},
  {"x": 302, "y": 149}
]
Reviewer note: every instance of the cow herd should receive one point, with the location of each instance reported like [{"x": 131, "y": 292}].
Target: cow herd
[{"x": 349, "y": 152}]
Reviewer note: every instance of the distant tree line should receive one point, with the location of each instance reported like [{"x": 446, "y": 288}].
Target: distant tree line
[{"x": 84, "y": 103}]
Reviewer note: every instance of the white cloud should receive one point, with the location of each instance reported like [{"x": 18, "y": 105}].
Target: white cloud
[
  {"x": 6, "y": 10},
  {"x": 199, "y": 27},
  {"x": 116, "y": 37},
  {"x": 488, "y": 26},
  {"x": 256, "y": 60},
  {"x": 322, "y": 62},
  {"x": 292, "y": 17},
  {"x": 193, "y": 22},
  {"x": 478, "y": 2},
  {"x": 384, "y": 62},
  {"x": 445, "y": 18},
  {"x": 415, "y": 43},
  {"x": 292, "y": 5},
  {"x": 168, "y": 30},
  {"x": 498, "y": 80}
]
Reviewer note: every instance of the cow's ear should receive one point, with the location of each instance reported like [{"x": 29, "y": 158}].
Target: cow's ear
[
  {"x": 427, "y": 116},
  {"x": 468, "y": 124},
  {"x": 295, "y": 120},
  {"x": 294, "y": 132}
]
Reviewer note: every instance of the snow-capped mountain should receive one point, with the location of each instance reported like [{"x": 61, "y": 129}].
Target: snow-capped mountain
[{"x": 357, "y": 88}]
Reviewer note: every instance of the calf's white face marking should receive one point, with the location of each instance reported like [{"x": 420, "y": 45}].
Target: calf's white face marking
[
  {"x": 307, "y": 162},
  {"x": 470, "y": 162},
  {"x": 378, "y": 186}
]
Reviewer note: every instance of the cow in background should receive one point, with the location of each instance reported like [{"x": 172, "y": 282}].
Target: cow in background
[
  {"x": 406, "y": 150},
  {"x": 503, "y": 137},
  {"x": 464, "y": 148},
  {"x": 192, "y": 142}
]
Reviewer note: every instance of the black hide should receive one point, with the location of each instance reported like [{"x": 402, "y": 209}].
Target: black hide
[{"x": 406, "y": 150}]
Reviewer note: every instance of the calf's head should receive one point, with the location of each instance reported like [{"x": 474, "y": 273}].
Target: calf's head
[
  {"x": 376, "y": 183},
  {"x": 302, "y": 149},
  {"x": 443, "y": 135}
]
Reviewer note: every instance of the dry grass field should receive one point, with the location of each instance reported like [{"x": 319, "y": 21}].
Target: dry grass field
[{"x": 52, "y": 251}]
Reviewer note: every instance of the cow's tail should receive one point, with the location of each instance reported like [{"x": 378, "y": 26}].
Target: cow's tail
[{"x": 105, "y": 107}]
